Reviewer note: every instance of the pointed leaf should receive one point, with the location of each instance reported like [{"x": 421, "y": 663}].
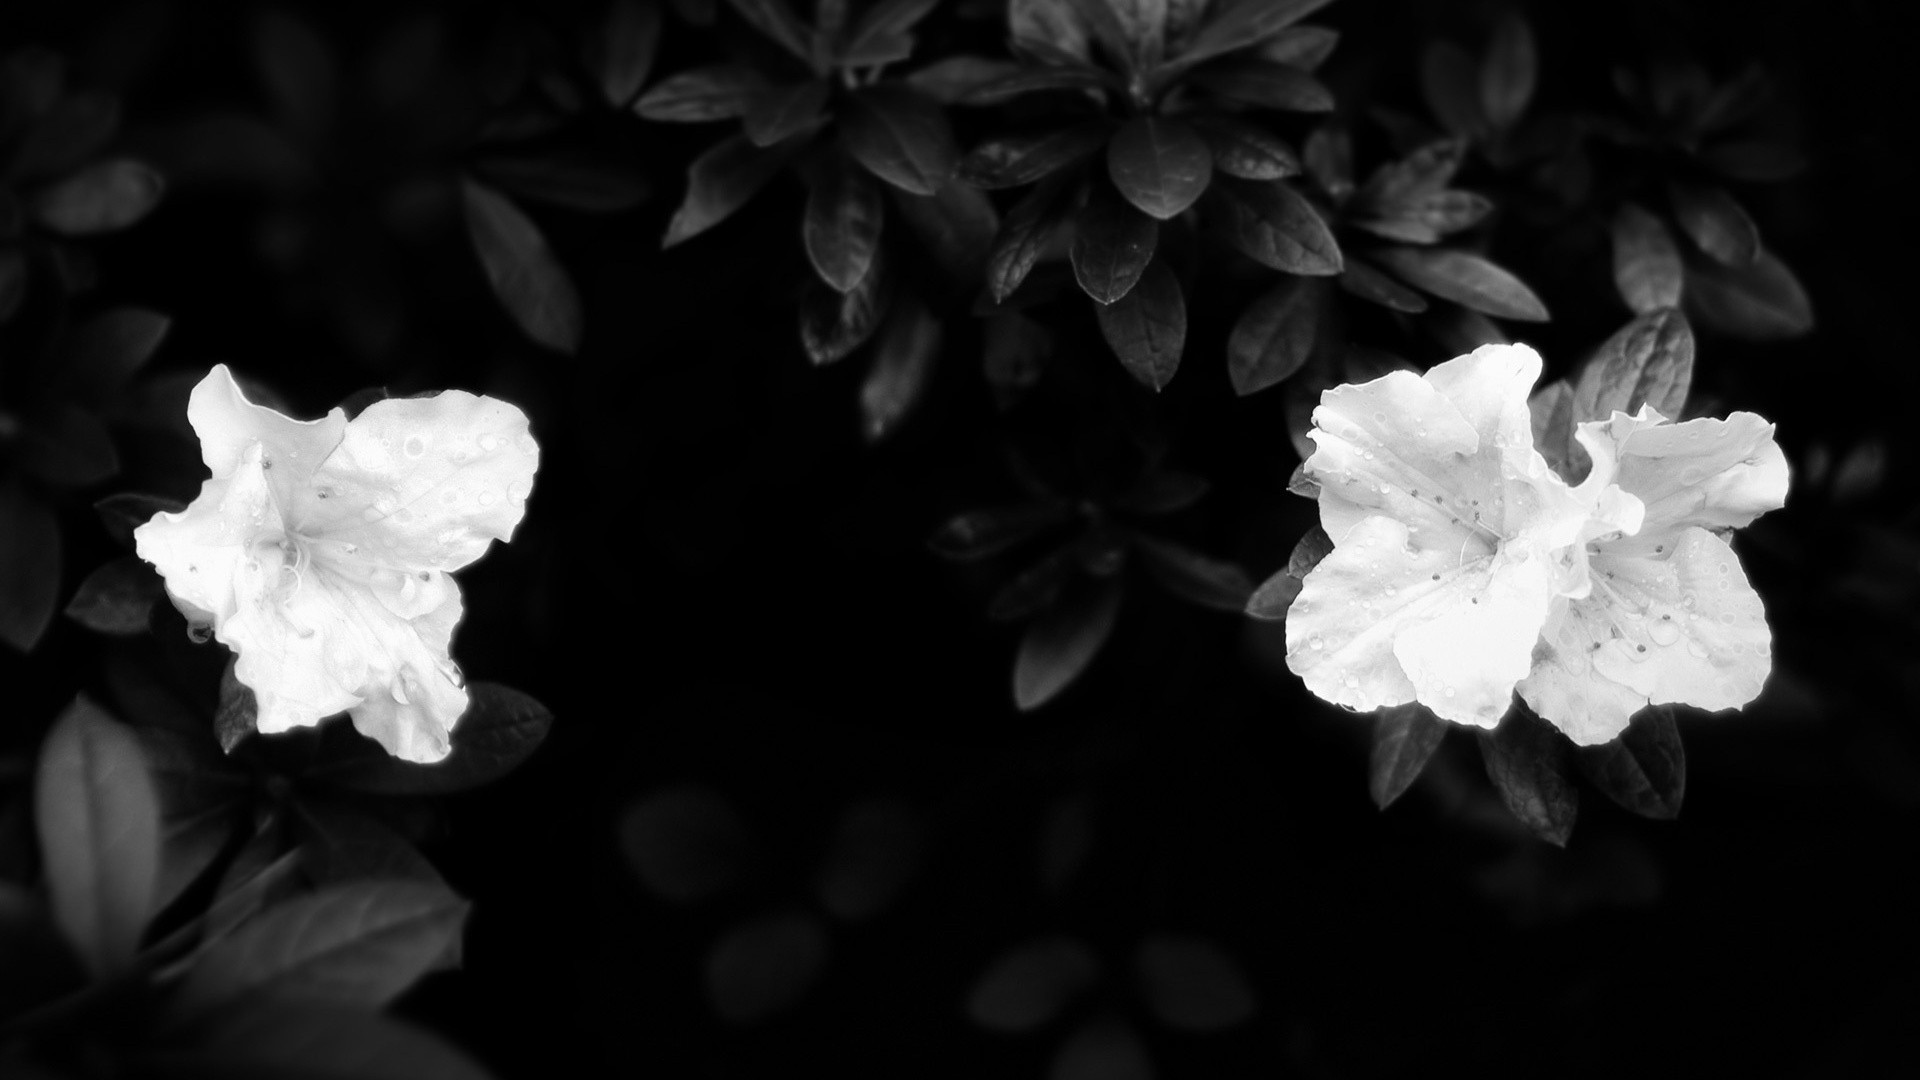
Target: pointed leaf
[
  {"x": 1363, "y": 280},
  {"x": 1162, "y": 491},
  {"x": 1328, "y": 156},
  {"x": 1240, "y": 149},
  {"x": 1404, "y": 740},
  {"x": 720, "y": 92},
  {"x": 1274, "y": 337},
  {"x": 1161, "y": 166},
  {"x": 1645, "y": 769},
  {"x": 501, "y": 728},
  {"x": 1717, "y": 223},
  {"x": 1466, "y": 279},
  {"x": 1304, "y": 47},
  {"x": 1052, "y": 26},
  {"x": 777, "y": 21},
  {"x": 1761, "y": 301},
  {"x": 1551, "y": 410},
  {"x": 1147, "y": 328},
  {"x": 1426, "y": 171},
  {"x": 29, "y": 568},
  {"x": 1033, "y": 81},
  {"x": 1649, "y": 361},
  {"x": 1277, "y": 593},
  {"x": 902, "y": 368},
  {"x": 833, "y": 324},
  {"x": 900, "y": 137},
  {"x": 978, "y": 534},
  {"x": 782, "y": 112},
  {"x": 1200, "y": 579},
  {"x": 1236, "y": 26},
  {"x": 1112, "y": 245},
  {"x": 100, "y": 198},
  {"x": 1025, "y": 233},
  {"x": 950, "y": 80},
  {"x": 117, "y": 598},
  {"x": 621, "y": 50},
  {"x": 719, "y": 182},
  {"x": 526, "y": 276},
  {"x": 1266, "y": 85},
  {"x": 1646, "y": 264},
  {"x": 842, "y": 225},
  {"x": 1060, "y": 644},
  {"x": 1508, "y": 72},
  {"x": 955, "y": 227},
  {"x": 1526, "y": 760},
  {"x": 1274, "y": 225},
  {"x": 1005, "y": 163}
]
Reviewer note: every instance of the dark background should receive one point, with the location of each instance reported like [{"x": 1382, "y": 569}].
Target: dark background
[{"x": 719, "y": 583}]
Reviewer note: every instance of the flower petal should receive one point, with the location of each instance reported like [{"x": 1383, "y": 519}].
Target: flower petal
[
  {"x": 1465, "y": 661},
  {"x": 423, "y": 482},
  {"x": 198, "y": 550},
  {"x": 1705, "y": 472},
  {"x": 1395, "y": 446},
  {"x": 412, "y": 714},
  {"x": 1489, "y": 388},
  {"x": 1562, "y": 687},
  {"x": 228, "y": 424}
]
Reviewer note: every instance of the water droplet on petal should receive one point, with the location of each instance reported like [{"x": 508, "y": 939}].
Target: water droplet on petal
[
  {"x": 414, "y": 446},
  {"x": 486, "y": 498},
  {"x": 489, "y": 442},
  {"x": 1449, "y": 691},
  {"x": 1316, "y": 644},
  {"x": 1697, "y": 649},
  {"x": 1664, "y": 633},
  {"x": 1688, "y": 601},
  {"x": 199, "y": 633}
]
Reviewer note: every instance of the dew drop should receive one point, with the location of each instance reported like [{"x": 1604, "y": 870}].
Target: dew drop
[
  {"x": 1379, "y": 418},
  {"x": 489, "y": 442},
  {"x": 1664, "y": 633},
  {"x": 1352, "y": 682},
  {"x": 199, "y": 633},
  {"x": 1696, "y": 649},
  {"x": 1448, "y": 691},
  {"x": 1316, "y": 644},
  {"x": 486, "y": 498},
  {"x": 1724, "y": 568},
  {"x": 1688, "y": 601},
  {"x": 1368, "y": 455},
  {"x": 414, "y": 446}
]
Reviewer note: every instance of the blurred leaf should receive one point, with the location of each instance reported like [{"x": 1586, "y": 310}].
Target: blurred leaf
[
  {"x": 200, "y": 795},
  {"x": 1274, "y": 225},
  {"x": 65, "y": 136},
  {"x": 1051, "y": 25},
  {"x": 1360, "y": 278},
  {"x": 343, "y": 844},
  {"x": 1235, "y": 26},
  {"x": 686, "y": 843},
  {"x": 1275, "y": 595},
  {"x": 902, "y": 368},
  {"x": 1461, "y": 329},
  {"x": 1465, "y": 279},
  {"x": 621, "y": 47},
  {"x": 718, "y": 92},
  {"x": 1507, "y": 73},
  {"x": 763, "y": 966},
  {"x": 777, "y": 21},
  {"x": 1015, "y": 352},
  {"x": 1649, "y": 361},
  {"x": 1240, "y": 149},
  {"x": 1013, "y": 162},
  {"x": 525, "y": 275},
  {"x": 594, "y": 187},
  {"x": 275, "y": 1040},
  {"x": 1761, "y": 301},
  {"x": 952, "y": 79},
  {"x": 1032, "y": 81},
  {"x": 1404, "y": 740},
  {"x": 842, "y": 225},
  {"x": 781, "y": 112},
  {"x": 1024, "y": 234},
  {"x": 884, "y": 24},
  {"x": 955, "y": 227},
  {"x": 1552, "y": 414},
  {"x": 1328, "y": 156},
  {"x": 1063, "y": 640},
  {"x": 1645, "y": 769},
  {"x": 1266, "y": 85},
  {"x": 35, "y": 964},
  {"x": 1301, "y": 484},
  {"x": 1037, "y": 586},
  {"x": 1304, "y": 47},
  {"x": 501, "y": 728},
  {"x": 361, "y": 944},
  {"x": 1426, "y": 171},
  {"x": 1646, "y": 264},
  {"x": 1104, "y": 1049},
  {"x": 100, "y": 198},
  {"x": 121, "y": 514},
  {"x": 900, "y": 137},
  {"x": 68, "y": 447},
  {"x": 29, "y": 568},
  {"x": 105, "y": 351},
  {"x": 720, "y": 181},
  {"x": 1274, "y": 337},
  {"x": 13, "y": 281},
  {"x": 1147, "y": 328},
  {"x": 1192, "y": 985},
  {"x": 1112, "y": 245},
  {"x": 1451, "y": 83},
  {"x": 1200, "y": 579},
  {"x": 1027, "y": 987},
  {"x": 99, "y": 826},
  {"x": 1759, "y": 161},
  {"x": 237, "y": 713},
  {"x": 298, "y": 68},
  {"x": 1736, "y": 100},
  {"x": 1427, "y": 218},
  {"x": 1162, "y": 491},
  {"x": 875, "y": 848},
  {"x": 1161, "y": 166},
  {"x": 117, "y": 598},
  {"x": 833, "y": 324},
  {"x": 1526, "y": 760},
  {"x": 1716, "y": 222}
]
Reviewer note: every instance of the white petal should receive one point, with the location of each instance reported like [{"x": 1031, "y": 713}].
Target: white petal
[
  {"x": 1706, "y": 472},
  {"x": 1465, "y": 660},
  {"x": 1563, "y": 688},
  {"x": 1398, "y": 447},
  {"x": 228, "y": 425},
  {"x": 1489, "y": 388},
  {"x": 198, "y": 550},
  {"x": 411, "y": 708}
]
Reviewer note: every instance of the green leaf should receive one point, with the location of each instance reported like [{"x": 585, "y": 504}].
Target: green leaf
[
  {"x": 1024, "y": 235},
  {"x": 619, "y": 50},
  {"x": 67, "y": 447},
  {"x": 106, "y": 350},
  {"x": 117, "y": 598},
  {"x": 1033, "y": 81},
  {"x": 121, "y": 514},
  {"x": 900, "y": 137},
  {"x": 501, "y": 728},
  {"x": 1527, "y": 762},
  {"x": 1242, "y": 150},
  {"x": 1451, "y": 84},
  {"x": 841, "y": 228},
  {"x": 833, "y": 324},
  {"x": 1646, "y": 263},
  {"x": 1013, "y": 162},
  {"x": 719, "y": 182},
  {"x": 1058, "y": 646},
  {"x": 1404, "y": 740},
  {"x": 29, "y": 568},
  {"x": 1274, "y": 337},
  {"x": 100, "y": 198},
  {"x": 1161, "y": 166},
  {"x": 1363, "y": 280},
  {"x": 1274, "y": 225},
  {"x": 1649, "y": 361},
  {"x": 1761, "y": 301},
  {"x": 1266, "y": 85},
  {"x": 777, "y": 21},
  {"x": 1466, "y": 279},
  {"x": 719, "y": 92},
  {"x": 1508, "y": 72},
  {"x": 1112, "y": 244},
  {"x": 1237, "y": 26},
  {"x": 1200, "y": 579},
  {"x": 522, "y": 269},
  {"x": 360, "y": 944},
  {"x": 274, "y": 1040},
  {"x": 99, "y": 827},
  {"x": 1645, "y": 769},
  {"x": 782, "y": 112},
  {"x": 1147, "y": 328},
  {"x": 902, "y": 368},
  {"x": 978, "y": 534},
  {"x": 1716, "y": 222}
]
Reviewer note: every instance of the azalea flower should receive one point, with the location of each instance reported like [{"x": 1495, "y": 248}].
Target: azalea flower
[
  {"x": 320, "y": 551},
  {"x": 1670, "y": 617}
]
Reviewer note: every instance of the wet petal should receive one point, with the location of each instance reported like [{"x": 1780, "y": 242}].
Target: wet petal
[
  {"x": 1563, "y": 688},
  {"x": 1488, "y": 387},
  {"x": 228, "y": 425},
  {"x": 1466, "y": 658},
  {"x": 1398, "y": 447},
  {"x": 410, "y": 708},
  {"x": 198, "y": 550},
  {"x": 1705, "y": 472}
]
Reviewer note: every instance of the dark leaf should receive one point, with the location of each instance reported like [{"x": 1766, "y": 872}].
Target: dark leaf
[
  {"x": 720, "y": 92},
  {"x": 781, "y": 112},
  {"x": 1275, "y": 226},
  {"x": 68, "y": 447},
  {"x": 595, "y": 187},
  {"x": 1761, "y": 301},
  {"x": 1025, "y": 233},
  {"x": 106, "y": 350},
  {"x": 1048, "y": 27},
  {"x": 902, "y": 368},
  {"x": 778, "y": 22},
  {"x": 875, "y": 849},
  {"x": 1192, "y": 985},
  {"x": 1147, "y": 328},
  {"x": 1427, "y": 218},
  {"x": 1162, "y": 491},
  {"x": 501, "y": 728},
  {"x": 1313, "y": 546},
  {"x": 1645, "y": 769},
  {"x": 1304, "y": 47},
  {"x": 13, "y": 281},
  {"x": 1014, "y": 354},
  {"x": 1112, "y": 245},
  {"x": 360, "y": 944},
  {"x": 200, "y": 795},
  {"x": 686, "y": 843},
  {"x": 1103, "y": 1048},
  {"x": 117, "y": 598},
  {"x": 620, "y": 49},
  {"x": 1717, "y": 223},
  {"x": 1037, "y": 586},
  {"x": 1060, "y": 644},
  {"x": 1755, "y": 160},
  {"x": 1248, "y": 152},
  {"x": 1508, "y": 72},
  {"x": 842, "y": 225},
  {"x": 1649, "y": 361},
  {"x": 1736, "y": 100},
  {"x": 1026, "y": 987},
  {"x": 1404, "y": 739},
  {"x": 523, "y": 271},
  {"x": 719, "y": 182},
  {"x": 955, "y": 226},
  {"x": 833, "y": 324},
  {"x": 1236, "y": 26},
  {"x": 900, "y": 137},
  {"x": 951, "y": 80},
  {"x": 1274, "y": 337},
  {"x": 1200, "y": 579},
  {"x": 121, "y": 514},
  {"x": 1551, "y": 409},
  {"x": 237, "y": 713},
  {"x": 1451, "y": 84},
  {"x": 1328, "y": 156},
  {"x": 1301, "y": 484},
  {"x": 1274, "y": 596},
  {"x": 99, "y": 827},
  {"x": 1161, "y": 166},
  {"x": 763, "y": 966},
  {"x": 100, "y": 198},
  {"x": 1266, "y": 85},
  {"x": 29, "y": 568},
  {"x": 1364, "y": 281},
  {"x": 1527, "y": 762},
  {"x": 1005, "y": 163},
  {"x": 977, "y": 534},
  {"x": 1646, "y": 264},
  {"x": 314, "y": 1043},
  {"x": 1032, "y": 81},
  {"x": 1466, "y": 279},
  {"x": 1462, "y": 329},
  {"x": 66, "y": 136},
  {"x": 37, "y": 964},
  {"x": 886, "y": 22},
  {"x": 301, "y": 76},
  {"x": 1426, "y": 171}
]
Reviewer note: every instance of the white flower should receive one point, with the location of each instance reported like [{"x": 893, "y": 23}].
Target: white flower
[
  {"x": 1453, "y": 540},
  {"x": 319, "y": 551},
  {"x": 1671, "y": 617}
]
